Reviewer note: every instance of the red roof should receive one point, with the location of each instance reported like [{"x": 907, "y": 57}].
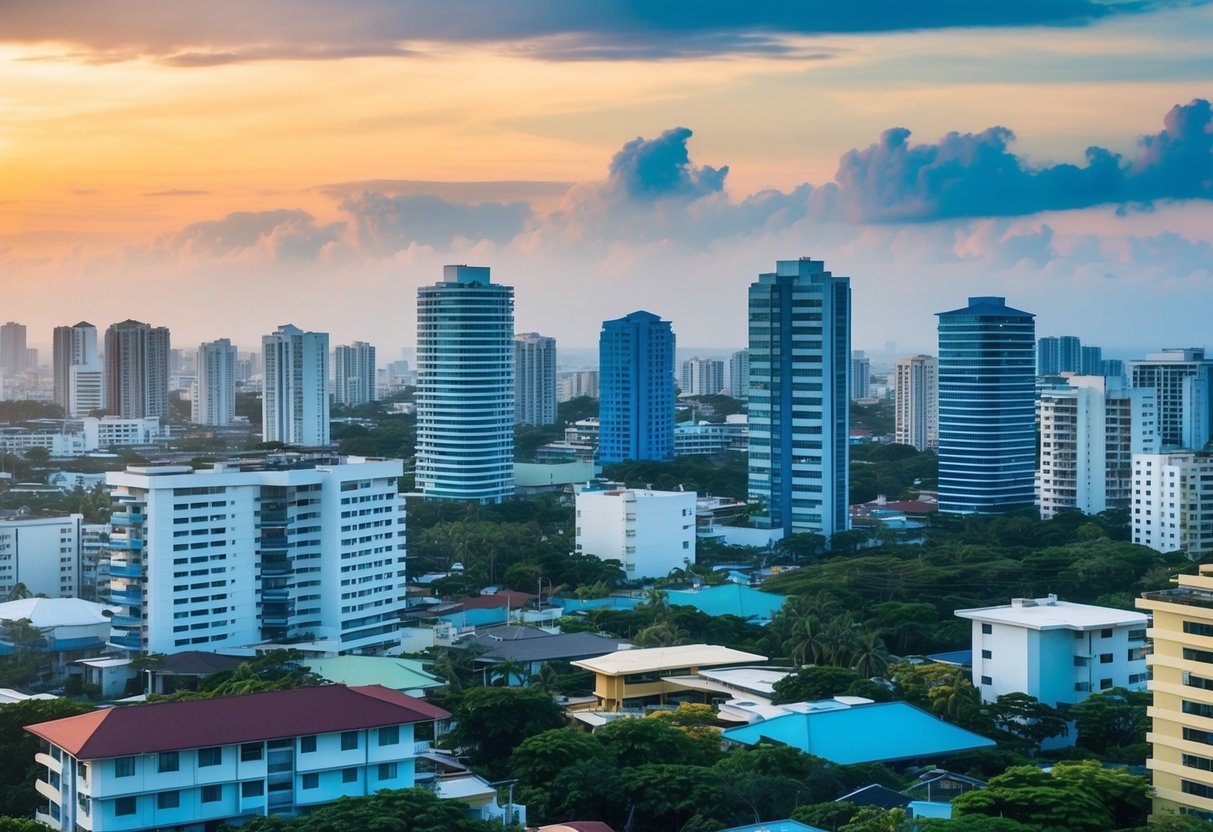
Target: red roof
[
  {"x": 509, "y": 598},
  {"x": 173, "y": 726}
]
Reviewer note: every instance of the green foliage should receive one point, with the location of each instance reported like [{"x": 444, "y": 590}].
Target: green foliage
[
  {"x": 405, "y": 810},
  {"x": 1027, "y": 717},
  {"x": 725, "y": 476},
  {"x": 20, "y": 825},
  {"x": 574, "y": 410},
  {"x": 26, "y": 410},
  {"x": 633, "y": 742},
  {"x": 539, "y": 761},
  {"x": 812, "y": 683},
  {"x": 879, "y": 418},
  {"x": 392, "y": 436},
  {"x": 276, "y": 670},
  {"x": 975, "y": 823},
  {"x": 492, "y": 722},
  {"x": 18, "y": 771},
  {"x": 896, "y": 471},
  {"x": 1113, "y": 724}
]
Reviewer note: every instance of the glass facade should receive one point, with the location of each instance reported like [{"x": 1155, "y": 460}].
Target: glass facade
[{"x": 636, "y": 385}]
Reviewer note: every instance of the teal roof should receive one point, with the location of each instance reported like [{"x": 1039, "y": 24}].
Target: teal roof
[
  {"x": 397, "y": 674},
  {"x": 872, "y": 733},
  {"x": 774, "y": 826},
  {"x": 729, "y": 599}
]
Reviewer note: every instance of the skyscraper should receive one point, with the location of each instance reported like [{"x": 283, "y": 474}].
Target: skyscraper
[
  {"x": 800, "y": 361},
  {"x": 534, "y": 379},
  {"x": 739, "y": 375},
  {"x": 861, "y": 375},
  {"x": 76, "y": 367},
  {"x": 916, "y": 402},
  {"x": 465, "y": 387},
  {"x": 295, "y": 395},
  {"x": 701, "y": 377},
  {"x": 987, "y": 422},
  {"x": 13, "y": 355},
  {"x": 136, "y": 370},
  {"x": 1183, "y": 379},
  {"x": 215, "y": 392},
  {"x": 354, "y": 375},
  {"x": 636, "y": 386}
]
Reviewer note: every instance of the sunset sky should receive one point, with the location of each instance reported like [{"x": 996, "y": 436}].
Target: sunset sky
[{"x": 225, "y": 167}]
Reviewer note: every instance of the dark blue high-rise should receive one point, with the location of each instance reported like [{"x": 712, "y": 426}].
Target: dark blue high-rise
[{"x": 636, "y": 389}]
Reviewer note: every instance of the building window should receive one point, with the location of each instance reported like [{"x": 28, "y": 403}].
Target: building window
[
  {"x": 311, "y": 781},
  {"x": 1137, "y": 654},
  {"x": 168, "y": 761},
  {"x": 1137, "y": 635},
  {"x": 1197, "y": 735},
  {"x": 124, "y": 767},
  {"x": 125, "y": 806},
  {"x": 168, "y": 800},
  {"x": 1106, "y": 632},
  {"x": 252, "y": 788},
  {"x": 1198, "y": 628},
  {"x": 349, "y": 740},
  {"x": 212, "y": 793},
  {"x": 987, "y": 629},
  {"x": 1193, "y": 655},
  {"x": 387, "y": 771},
  {"x": 986, "y": 680},
  {"x": 1198, "y": 789},
  {"x": 1105, "y": 658},
  {"x": 250, "y": 752},
  {"x": 987, "y": 654},
  {"x": 1104, "y": 684},
  {"x": 307, "y": 744},
  {"x": 1198, "y": 709},
  {"x": 349, "y": 775},
  {"x": 1202, "y": 763},
  {"x": 389, "y": 735},
  {"x": 210, "y": 757}
]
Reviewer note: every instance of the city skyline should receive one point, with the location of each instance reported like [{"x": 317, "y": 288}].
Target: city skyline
[{"x": 606, "y": 159}]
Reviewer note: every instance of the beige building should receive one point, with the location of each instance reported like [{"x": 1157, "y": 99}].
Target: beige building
[
  {"x": 916, "y": 402},
  {"x": 634, "y": 678}
]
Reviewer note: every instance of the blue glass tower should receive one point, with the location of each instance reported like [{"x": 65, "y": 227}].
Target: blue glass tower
[
  {"x": 636, "y": 388},
  {"x": 987, "y": 408}
]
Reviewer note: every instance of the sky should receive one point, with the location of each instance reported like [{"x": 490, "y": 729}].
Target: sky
[{"x": 222, "y": 168}]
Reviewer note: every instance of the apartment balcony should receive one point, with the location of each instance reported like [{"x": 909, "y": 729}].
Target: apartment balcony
[
  {"x": 1188, "y": 596},
  {"x": 281, "y": 595},
  {"x": 126, "y": 597},
  {"x": 126, "y": 570},
  {"x": 422, "y": 747},
  {"x": 127, "y": 621},
  {"x": 126, "y": 518},
  {"x": 127, "y": 641},
  {"x": 125, "y": 544}
]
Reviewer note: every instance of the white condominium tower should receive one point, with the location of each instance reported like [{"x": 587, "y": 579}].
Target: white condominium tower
[
  {"x": 215, "y": 393},
  {"x": 1183, "y": 379},
  {"x": 534, "y": 379},
  {"x": 701, "y": 377},
  {"x": 78, "y": 376},
  {"x": 295, "y": 398},
  {"x": 354, "y": 375},
  {"x": 916, "y": 402},
  {"x": 465, "y": 387}
]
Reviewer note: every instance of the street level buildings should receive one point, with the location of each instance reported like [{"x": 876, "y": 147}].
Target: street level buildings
[
  {"x": 916, "y": 402},
  {"x": 636, "y": 383},
  {"x": 295, "y": 397},
  {"x": 534, "y": 379},
  {"x": 136, "y": 370}
]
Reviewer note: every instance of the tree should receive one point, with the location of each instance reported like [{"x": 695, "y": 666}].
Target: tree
[
  {"x": 634, "y": 742},
  {"x": 404, "y": 810},
  {"x": 1113, "y": 723},
  {"x": 1027, "y": 717},
  {"x": 871, "y": 657},
  {"x": 492, "y": 722},
  {"x": 812, "y": 683},
  {"x": 18, "y": 771},
  {"x": 539, "y": 761}
]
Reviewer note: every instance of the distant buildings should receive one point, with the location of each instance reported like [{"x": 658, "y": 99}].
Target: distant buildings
[
  {"x": 534, "y": 379},
  {"x": 1183, "y": 380},
  {"x": 214, "y": 400},
  {"x": 987, "y": 424},
  {"x": 354, "y": 374},
  {"x": 42, "y": 554},
  {"x": 649, "y": 532},
  {"x": 1058, "y": 354},
  {"x": 916, "y": 402},
  {"x": 701, "y": 377},
  {"x": 861, "y": 376},
  {"x": 79, "y": 382},
  {"x": 576, "y": 384},
  {"x": 1173, "y": 502},
  {"x": 636, "y": 379},
  {"x": 739, "y": 375},
  {"x": 14, "y": 355},
  {"x": 295, "y": 397},
  {"x": 136, "y": 370},
  {"x": 800, "y": 361},
  {"x": 465, "y": 387},
  {"x": 1057, "y": 651}
]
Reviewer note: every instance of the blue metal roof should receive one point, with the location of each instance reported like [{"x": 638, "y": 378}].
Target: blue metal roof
[
  {"x": 774, "y": 826},
  {"x": 729, "y": 599}
]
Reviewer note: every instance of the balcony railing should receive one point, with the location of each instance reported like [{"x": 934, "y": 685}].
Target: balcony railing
[
  {"x": 1182, "y": 595},
  {"x": 125, "y": 544},
  {"x": 126, "y": 570}
]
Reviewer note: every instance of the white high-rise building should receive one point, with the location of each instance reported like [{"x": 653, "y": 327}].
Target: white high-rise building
[
  {"x": 1089, "y": 432},
  {"x": 701, "y": 377},
  {"x": 215, "y": 392},
  {"x": 42, "y": 554},
  {"x": 1183, "y": 379},
  {"x": 576, "y": 384},
  {"x": 465, "y": 387},
  {"x": 861, "y": 376},
  {"x": 534, "y": 379},
  {"x": 648, "y": 532},
  {"x": 136, "y": 370},
  {"x": 227, "y": 557},
  {"x": 295, "y": 396},
  {"x": 76, "y": 367},
  {"x": 916, "y": 402},
  {"x": 739, "y": 375},
  {"x": 1173, "y": 502},
  {"x": 354, "y": 374}
]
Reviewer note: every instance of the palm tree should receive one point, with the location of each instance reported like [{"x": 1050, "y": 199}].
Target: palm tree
[
  {"x": 661, "y": 634},
  {"x": 871, "y": 656},
  {"x": 19, "y": 592},
  {"x": 503, "y": 673},
  {"x": 803, "y": 643}
]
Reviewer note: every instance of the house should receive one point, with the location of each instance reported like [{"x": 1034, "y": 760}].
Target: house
[
  {"x": 635, "y": 678},
  {"x": 64, "y": 630},
  {"x": 209, "y": 761},
  {"x": 191, "y": 665},
  {"x": 531, "y": 648},
  {"x": 774, "y": 826},
  {"x": 403, "y": 675}
]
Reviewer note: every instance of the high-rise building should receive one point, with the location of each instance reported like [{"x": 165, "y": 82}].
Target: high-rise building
[
  {"x": 354, "y": 375},
  {"x": 310, "y": 548},
  {"x": 1112, "y": 368},
  {"x": 13, "y": 353},
  {"x": 636, "y": 382},
  {"x": 701, "y": 377},
  {"x": 1183, "y": 379},
  {"x": 987, "y": 408},
  {"x": 295, "y": 395},
  {"x": 1058, "y": 354},
  {"x": 1173, "y": 502},
  {"x": 136, "y": 370},
  {"x": 739, "y": 375},
  {"x": 534, "y": 379},
  {"x": 800, "y": 361},
  {"x": 1089, "y": 432},
  {"x": 916, "y": 402},
  {"x": 861, "y": 376},
  {"x": 576, "y": 384},
  {"x": 76, "y": 366},
  {"x": 1091, "y": 361},
  {"x": 465, "y": 387},
  {"x": 215, "y": 392}
]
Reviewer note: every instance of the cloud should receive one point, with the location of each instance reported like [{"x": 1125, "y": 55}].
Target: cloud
[
  {"x": 291, "y": 235},
  {"x": 386, "y": 224},
  {"x": 176, "y": 192},
  {"x": 187, "y": 34},
  {"x": 654, "y": 168}
]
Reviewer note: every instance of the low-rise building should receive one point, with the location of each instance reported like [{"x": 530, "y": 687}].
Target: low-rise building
[
  {"x": 649, "y": 532},
  {"x": 635, "y": 678},
  {"x": 41, "y": 553}
]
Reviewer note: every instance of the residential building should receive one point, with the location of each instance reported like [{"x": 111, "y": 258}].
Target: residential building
[
  {"x": 739, "y": 375},
  {"x": 354, "y": 377},
  {"x": 42, "y": 554},
  {"x": 1183, "y": 379},
  {"x": 201, "y": 763},
  {"x": 1113, "y": 368},
  {"x": 76, "y": 437},
  {"x": 916, "y": 402},
  {"x": 712, "y": 438},
  {"x": 1091, "y": 361},
  {"x": 214, "y": 400},
  {"x": 295, "y": 397},
  {"x": 636, "y": 380},
  {"x": 648, "y": 532},
  {"x": 534, "y": 379},
  {"x": 1181, "y": 715},
  {"x": 1057, "y": 355},
  {"x": 800, "y": 362},
  {"x": 66, "y": 630},
  {"x": 465, "y": 387},
  {"x": 14, "y": 356},
  {"x": 79, "y": 382},
  {"x": 236, "y": 555},
  {"x": 1056, "y": 651},
  {"x": 628, "y": 679},
  {"x": 1173, "y": 502},
  {"x": 861, "y": 376},
  {"x": 1089, "y": 431},
  {"x": 576, "y": 384},
  {"x": 701, "y": 377},
  {"x": 987, "y": 408},
  {"x": 136, "y": 370}
]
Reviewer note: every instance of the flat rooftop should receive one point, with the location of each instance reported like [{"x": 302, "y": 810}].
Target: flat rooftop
[
  {"x": 651, "y": 659},
  {"x": 1052, "y": 614}
]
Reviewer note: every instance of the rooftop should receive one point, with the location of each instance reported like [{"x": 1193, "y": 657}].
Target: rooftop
[
  {"x": 1052, "y": 614},
  {"x": 397, "y": 674},
  {"x": 54, "y": 612},
  {"x": 728, "y": 599},
  {"x": 624, "y": 662}
]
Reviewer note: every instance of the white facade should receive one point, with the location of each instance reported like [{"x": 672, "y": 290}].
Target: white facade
[
  {"x": 214, "y": 400},
  {"x": 711, "y": 438},
  {"x": 649, "y": 532},
  {"x": 1056, "y": 651},
  {"x": 1089, "y": 432},
  {"x": 701, "y": 377},
  {"x": 295, "y": 396},
  {"x": 916, "y": 402},
  {"x": 534, "y": 379},
  {"x": 354, "y": 380},
  {"x": 861, "y": 376},
  {"x": 739, "y": 375},
  {"x": 79, "y": 381},
  {"x": 1173, "y": 502},
  {"x": 576, "y": 384},
  {"x": 1183, "y": 380},
  {"x": 228, "y": 557},
  {"x": 43, "y": 553}
]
